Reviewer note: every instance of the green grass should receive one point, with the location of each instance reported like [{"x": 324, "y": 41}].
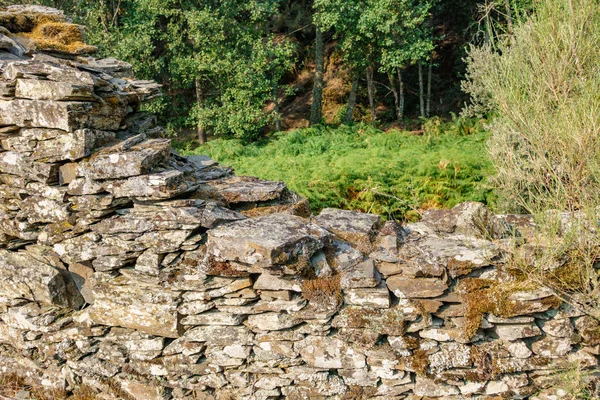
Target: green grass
[{"x": 395, "y": 174}]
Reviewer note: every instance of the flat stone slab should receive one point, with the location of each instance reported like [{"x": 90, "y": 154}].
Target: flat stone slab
[
  {"x": 49, "y": 90},
  {"x": 220, "y": 335},
  {"x": 130, "y": 304},
  {"x": 44, "y": 70},
  {"x": 162, "y": 185},
  {"x": 420, "y": 288},
  {"x": 358, "y": 228},
  {"x": 513, "y": 332},
  {"x": 138, "y": 160},
  {"x": 275, "y": 239},
  {"x": 328, "y": 352},
  {"x": 67, "y": 115},
  {"x": 52, "y": 145},
  {"x": 378, "y": 297},
  {"x": 362, "y": 275},
  {"x": 470, "y": 219},
  {"x": 17, "y": 164},
  {"x": 241, "y": 189}
]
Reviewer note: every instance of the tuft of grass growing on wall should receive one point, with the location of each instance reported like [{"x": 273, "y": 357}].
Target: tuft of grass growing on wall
[{"x": 395, "y": 174}]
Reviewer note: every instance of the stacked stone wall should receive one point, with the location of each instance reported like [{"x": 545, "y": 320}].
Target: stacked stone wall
[{"x": 143, "y": 274}]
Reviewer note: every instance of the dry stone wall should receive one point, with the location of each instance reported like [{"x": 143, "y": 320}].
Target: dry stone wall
[{"x": 147, "y": 275}]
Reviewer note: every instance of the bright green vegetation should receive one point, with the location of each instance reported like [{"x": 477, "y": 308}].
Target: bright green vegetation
[{"x": 395, "y": 174}]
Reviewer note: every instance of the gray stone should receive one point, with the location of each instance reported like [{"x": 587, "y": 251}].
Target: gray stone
[
  {"x": 327, "y": 352},
  {"x": 241, "y": 190},
  {"x": 358, "y": 228},
  {"x": 65, "y": 115},
  {"x": 513, "y": 332},
  {"x": 271, "y": 321},
  {"x": 428, "y": 387},
  {"x": 266, "y": 241},
  {"x": 17, "y": 164},
  {"x": 420, "y": 288},
  {"x": 51, "y": 90},
  {"x": 368, "y": 297},
  {"x": 214, "y": 318},
  {"x": 163, "y": 185},
  {"x": 559, "y": 327},
  {"x": 138, "y": 160},
  {"x": 220, "y": 335},
  {"x": 25, "y": 277},
  {"x": 121, "y": 302},
  {"x": 469, "y": 218},
  {"x": 363, "y": 275},
  {"x": 552, "y": 346}
]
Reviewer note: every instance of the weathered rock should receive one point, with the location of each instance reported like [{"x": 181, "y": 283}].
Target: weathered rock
[
  {"x": 215, "y": 318},
  {"x": 368, "y": 297},
  {"x": 25, "y": 277},
  {"x": 357, "y": 228},
  {"x": 451, "y": 355},
  {"x": 137, "y": 160},
  {"x": 416, "y": 288},
  {"x": 190, "y": 298},
  {"x": 271, "y": 321},
  {"x": 17, "y": 164},
  {"x": 163, "y": 185},
  {"x": 119, "y": 302},
  {"x": 363, "y": 275},
  {"x": 242, "y": 190},
  {"x": 325, "y": 352},
  {"x": 428, "y": 387},
  {"x": 559, "y": 328},
  {"x": 220, "y": 335},
  {"x": 266, "y": 241},
  {"x": 552, "y": 347},
  {"x": 471, "y": 219},
  {"x": 517, "y": 331},
  {"x": 64, "y": 115},
  {"x": 37, "y": 89}
]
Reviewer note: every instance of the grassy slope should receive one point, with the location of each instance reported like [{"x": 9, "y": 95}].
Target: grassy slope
[{"x": 393, "y": 173}]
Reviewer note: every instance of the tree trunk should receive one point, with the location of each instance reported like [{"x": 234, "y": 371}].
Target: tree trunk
[
  {"x": 199, "y": 101},
  {"x": 351, "y": 101},
  {"x": 509, "y": 20},
  {"x": 371, "y": 91},
  {"x": 395, "y": 93},
  {"x": 400, "y": 95},
  {"x": 316, "y": 110},
  {"x": 276, "y": 106},
  {"x": 429, "y": 72},
  {"x": 421, "y": 91}
]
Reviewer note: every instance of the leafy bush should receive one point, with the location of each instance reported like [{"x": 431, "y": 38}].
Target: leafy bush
[
  {"x": 543, "y": 85},
  {"x": 395, "y": 174}
]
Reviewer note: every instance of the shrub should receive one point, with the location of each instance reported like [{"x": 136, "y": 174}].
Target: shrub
[{"x": 543, "y": 87}]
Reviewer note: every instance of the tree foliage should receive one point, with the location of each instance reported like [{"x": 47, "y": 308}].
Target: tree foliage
[{"x": 225, "y": 65}]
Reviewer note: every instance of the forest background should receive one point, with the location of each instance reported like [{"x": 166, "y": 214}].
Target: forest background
[{"x": 353, "y": 103}]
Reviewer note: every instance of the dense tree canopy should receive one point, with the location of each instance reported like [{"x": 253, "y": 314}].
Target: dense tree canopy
[{"x": 232, "y": 68}]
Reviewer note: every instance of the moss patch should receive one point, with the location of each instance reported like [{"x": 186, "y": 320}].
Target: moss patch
[
  {"x": 420, "y": 362},
  {"x": 483, "y": 296},
  {"x": 59, "y": 36},
  {"x": 323, "y": 291}
]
